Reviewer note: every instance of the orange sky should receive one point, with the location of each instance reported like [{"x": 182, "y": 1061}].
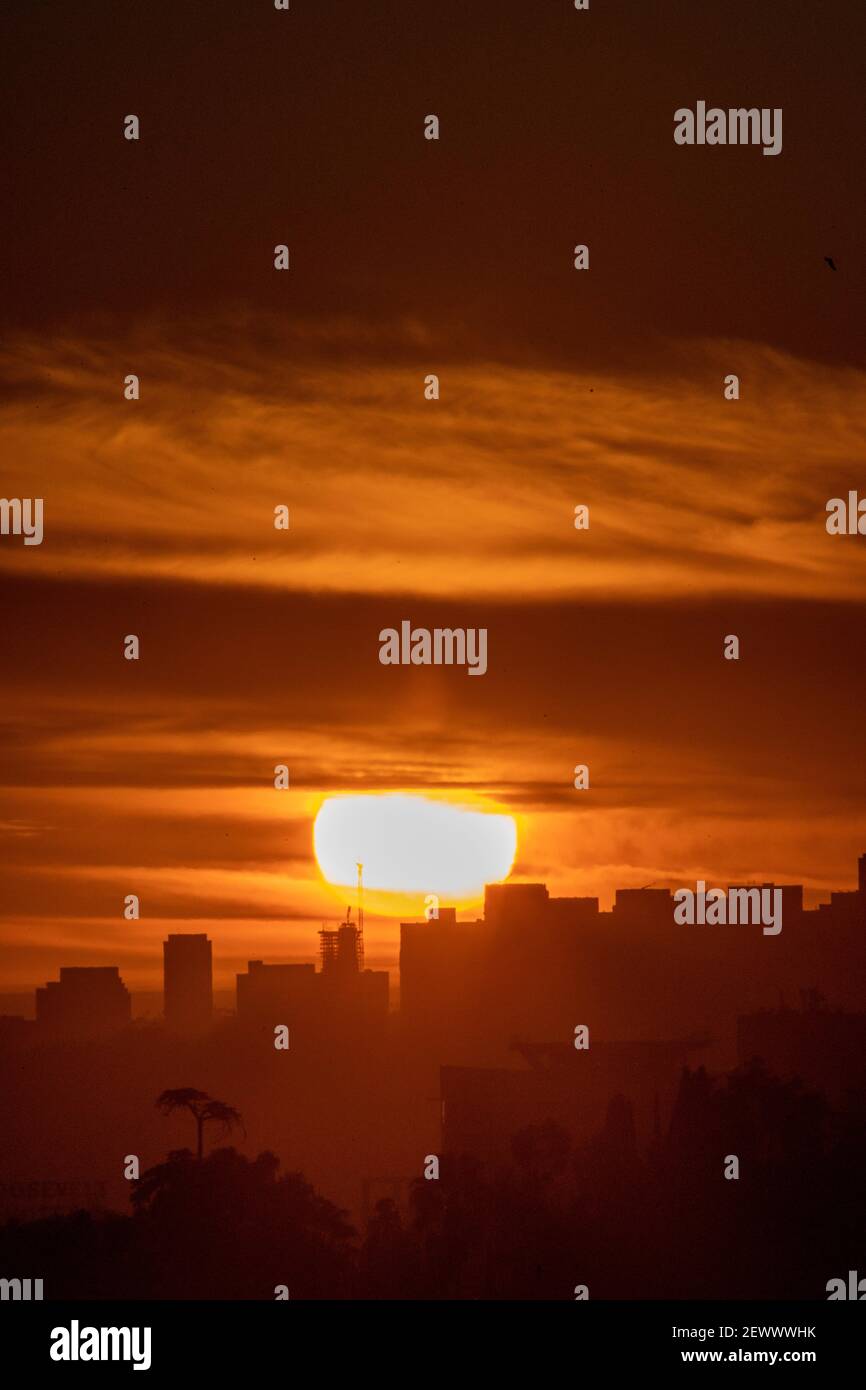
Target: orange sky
[
  {"x": 261, "y": 646},
  {"x": 258, "y": 646}
]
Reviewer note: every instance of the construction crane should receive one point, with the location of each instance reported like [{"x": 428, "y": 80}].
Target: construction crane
[
  {"x": 360, "y": 868},
  {"x": 343, "y": 949}
]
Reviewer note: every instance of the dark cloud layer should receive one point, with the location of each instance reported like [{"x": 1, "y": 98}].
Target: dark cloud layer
[{"x": 557, "y": 127}]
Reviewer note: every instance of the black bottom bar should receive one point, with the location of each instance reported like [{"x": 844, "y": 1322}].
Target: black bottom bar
[{"x": 425, "y": 1338}]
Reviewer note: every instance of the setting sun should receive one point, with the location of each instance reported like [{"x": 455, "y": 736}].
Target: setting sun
[{"x": 413, "y": 845}]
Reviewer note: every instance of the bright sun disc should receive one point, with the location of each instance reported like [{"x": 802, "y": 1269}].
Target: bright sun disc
[{"x": 412, "y": 845}]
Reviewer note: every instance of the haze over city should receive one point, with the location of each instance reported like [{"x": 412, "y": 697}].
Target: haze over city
[{"x": 432, "y": 476}]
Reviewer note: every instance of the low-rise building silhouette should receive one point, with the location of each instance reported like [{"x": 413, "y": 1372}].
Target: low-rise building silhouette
[
  {"x": 276, "y": 994},
  {"x": 86, "y": 1000},
  {"x": 334, "y": 999}
]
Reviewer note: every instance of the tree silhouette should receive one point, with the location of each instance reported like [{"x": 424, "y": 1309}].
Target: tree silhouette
[
  {"x": 204, "y": 1109},
  {"x": 231, "y": 1227},
  {"x": 389, "y": 1256}
]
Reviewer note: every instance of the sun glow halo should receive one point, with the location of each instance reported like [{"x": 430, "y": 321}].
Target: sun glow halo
[{"x": 413, "y": 845}]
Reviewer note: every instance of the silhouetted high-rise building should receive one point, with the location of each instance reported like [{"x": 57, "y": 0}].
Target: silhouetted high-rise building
[
  {"x": 442, "y": 962},
  {"x": 572, "y": 912},
  {"x": 188, "y": 982},
  {"x": 535, "y": 966},
  {"x": 15, "y": 1031},
  {"x": 514, "y": 904},
  {"x": 343, "y": 984},
  {"x": 846, "y": 907},
  {"x": 861, "y": 874},
  {"x": 642, "y": 906},
  {"x": 276, "y": 994},
  {"x": 341, "y": 950},
  {"x": 87, "y": 999},
  {"x": 470, "y": 987}
]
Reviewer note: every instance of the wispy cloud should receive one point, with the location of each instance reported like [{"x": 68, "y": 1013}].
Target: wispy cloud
[{"x": 473, "y": 494}]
